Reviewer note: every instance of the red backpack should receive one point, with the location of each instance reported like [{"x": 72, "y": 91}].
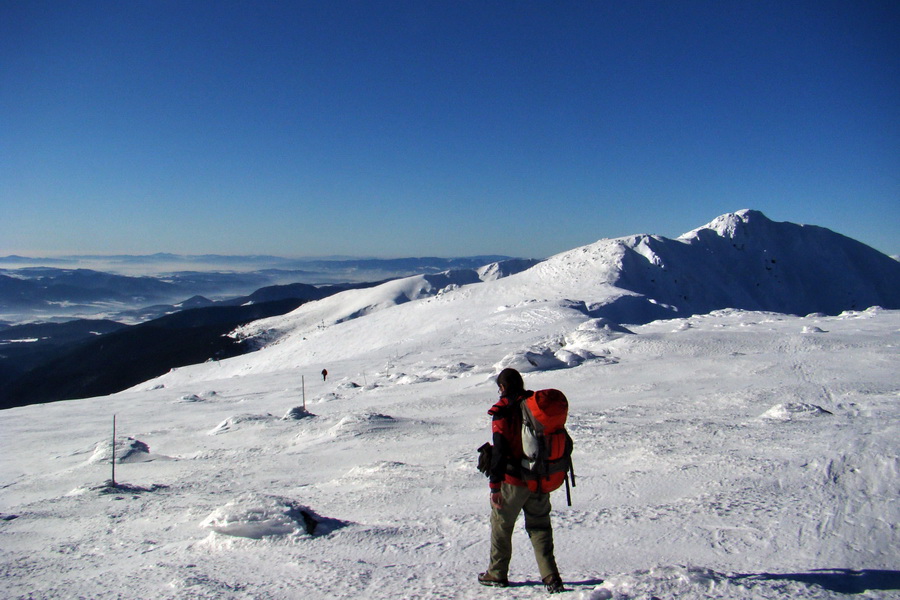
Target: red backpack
[{"x": 546, "y": 445}]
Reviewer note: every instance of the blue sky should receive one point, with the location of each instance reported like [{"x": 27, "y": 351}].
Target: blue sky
[{"x": 442, "y": 128}]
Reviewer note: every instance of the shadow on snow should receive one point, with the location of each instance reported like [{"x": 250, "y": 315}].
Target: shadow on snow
[{"x": 842, "y": 581}]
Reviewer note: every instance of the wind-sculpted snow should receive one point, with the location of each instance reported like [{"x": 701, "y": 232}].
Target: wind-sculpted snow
[
  {"x": 296, "y": 413},
  {"x": 128, "y": 450},
  {"x": 794, "y": 410},
  {"x": 362, "y": 424},
  {"x": 240, "y": 421},
  {"x": 257, "y": 516}
]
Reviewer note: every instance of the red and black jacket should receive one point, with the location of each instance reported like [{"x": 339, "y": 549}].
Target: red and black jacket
[
  {"x": 506, "y": 427},
  {"x": 506, "y": 458}
]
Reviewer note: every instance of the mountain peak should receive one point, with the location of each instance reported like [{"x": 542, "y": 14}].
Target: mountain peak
[{"x": 737, "y": 225}]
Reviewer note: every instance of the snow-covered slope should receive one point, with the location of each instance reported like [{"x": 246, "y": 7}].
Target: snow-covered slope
[
  {"x": 735, "y": 454},
  {"x": 353, "y": 304},
  {"x": 740, "y": 260},
  {"x": 789, "y": 268}
]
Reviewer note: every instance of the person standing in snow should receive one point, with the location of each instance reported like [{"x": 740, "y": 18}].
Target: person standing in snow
[
  {"x": 324, "y": 374},
  {"x": 510, "y": 495}
]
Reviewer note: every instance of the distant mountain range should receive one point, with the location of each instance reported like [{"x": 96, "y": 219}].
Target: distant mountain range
[
  {"x": 122, "y": 356},
  {"x": 42, "y": 293},
  {"x": 27, "y": 347},
  {"x": 42, "y": 362},
  {"x": 252, "y": 262}
]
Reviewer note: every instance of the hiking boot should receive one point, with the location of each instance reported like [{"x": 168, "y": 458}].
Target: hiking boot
[
  {"x": 485, "y": 579},
  {"x": 554, "y": 583}
]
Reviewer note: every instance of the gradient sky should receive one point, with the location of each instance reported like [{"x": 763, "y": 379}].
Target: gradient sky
[{"x": 443, "y": 128}]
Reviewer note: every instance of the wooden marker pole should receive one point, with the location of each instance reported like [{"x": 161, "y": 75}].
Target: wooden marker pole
[{"x": 113, "y": 461}]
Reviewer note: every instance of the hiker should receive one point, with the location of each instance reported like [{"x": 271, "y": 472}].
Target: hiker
[
  {"x": 324, "y": 374},
  {"x": 510, "y": 495}
]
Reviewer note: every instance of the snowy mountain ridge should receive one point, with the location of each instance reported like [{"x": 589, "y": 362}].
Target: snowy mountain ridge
[{"x": 740, "y": 260}]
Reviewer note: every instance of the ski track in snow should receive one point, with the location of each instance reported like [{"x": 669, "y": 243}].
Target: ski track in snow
[{"x": 731, "y": 455}]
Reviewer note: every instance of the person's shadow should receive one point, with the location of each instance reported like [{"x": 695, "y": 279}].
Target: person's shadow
[
  {"x": 842, "y": 581},
  {"x": 567, "y": 583}
]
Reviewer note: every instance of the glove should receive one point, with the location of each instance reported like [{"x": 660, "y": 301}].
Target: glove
[{"x": 484, "y": 459}]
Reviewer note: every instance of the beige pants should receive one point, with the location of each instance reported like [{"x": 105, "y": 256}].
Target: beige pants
[{"x": 536, "y": 507}]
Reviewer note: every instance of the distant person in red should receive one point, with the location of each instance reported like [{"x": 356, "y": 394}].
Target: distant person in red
[{"x": 324, "y": 374}]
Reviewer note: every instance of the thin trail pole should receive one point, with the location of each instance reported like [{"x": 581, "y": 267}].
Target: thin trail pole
[
  {"x": 303, "y": 383},
  {"x": 113, "y": 461}
]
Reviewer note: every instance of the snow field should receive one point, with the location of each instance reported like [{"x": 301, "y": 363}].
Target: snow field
[{"x": 731, "y": 455}]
